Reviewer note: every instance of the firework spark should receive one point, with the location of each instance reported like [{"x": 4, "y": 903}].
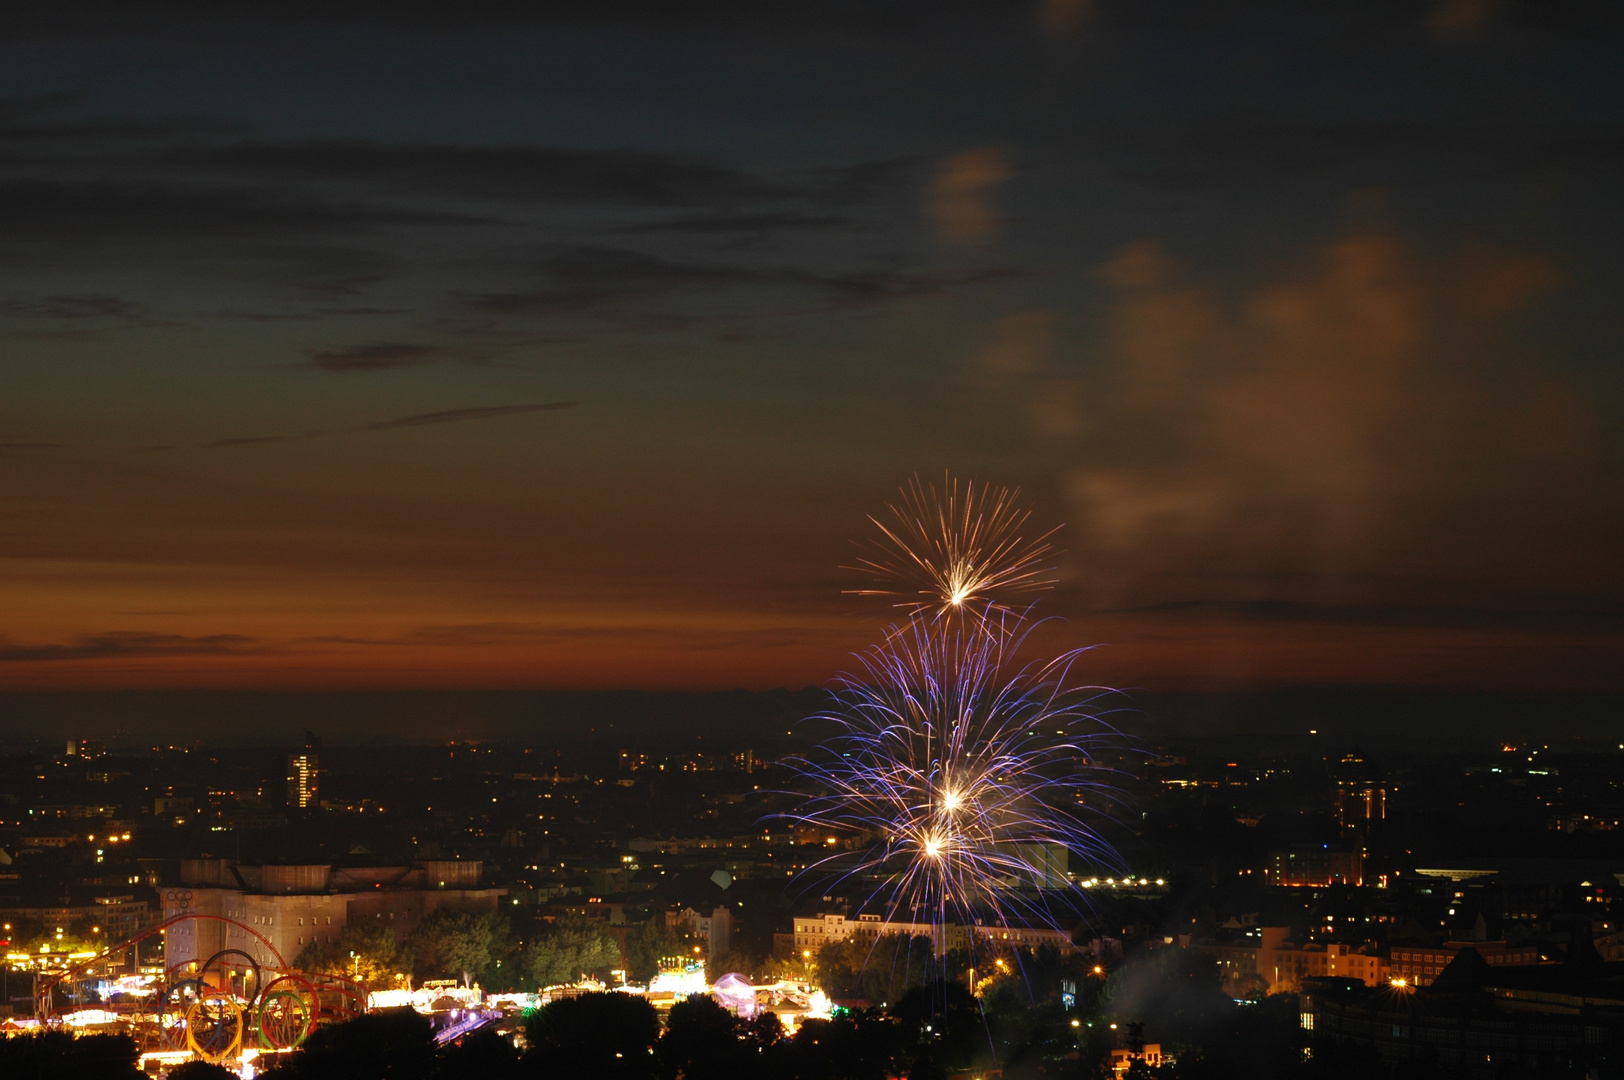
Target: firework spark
[
  {"x": 962, "y": 777},
  {"x": 960, "y": 549}
]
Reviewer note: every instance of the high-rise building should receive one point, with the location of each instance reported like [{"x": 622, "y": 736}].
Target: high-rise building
[
  {"x": 1361, "y": 793},
  {"x": 304, "y": 773},
  {"x": 1316, "y": 864}
]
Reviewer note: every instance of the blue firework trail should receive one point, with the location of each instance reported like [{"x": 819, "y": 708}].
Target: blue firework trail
[{"x": 959, "y": 773}]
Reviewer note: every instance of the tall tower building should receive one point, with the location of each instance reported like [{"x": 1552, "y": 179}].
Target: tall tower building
[{"x": 304, "y": 772}]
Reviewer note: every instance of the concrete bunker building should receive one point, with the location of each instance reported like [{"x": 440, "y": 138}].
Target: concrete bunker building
[{"x": 293, "y": 905}]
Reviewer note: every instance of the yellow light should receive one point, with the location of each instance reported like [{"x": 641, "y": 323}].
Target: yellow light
[
  {"x": 933, "y": 848},
  {"x": 950, "y": 800}
]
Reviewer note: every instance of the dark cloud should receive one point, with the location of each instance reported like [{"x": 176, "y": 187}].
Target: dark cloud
[
  {"x": 51, "y": 210},
  {"x": 583, "y": 279},
  {"x": 450, "y": 416},
  {"x": 34, "y": 142},
  {"x": 875, "y": 288},
  {"x": 18, "y": 108},
  {"x": 85, "y": 306},
  {"x": 444, "y": 416},
  {"x": 14, "y": 446},
  {"x": 379, "y": 356},
  {"x": 1247, "y": 150},
  {"x": 778, "y": 221},
  {"x": 1600, "y": 616},
  {"x": 249, "y": 440},
  {"x": 324, "y": 273},
  {"x": 121, "y": 644},
  {"x": 839, "y": 19},
  {"x": 517, "y": 173}
]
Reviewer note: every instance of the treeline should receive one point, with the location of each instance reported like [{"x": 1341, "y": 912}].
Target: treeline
[
  {"x": 616, "y": 1036},
  {"x": 482, "y": 948}
]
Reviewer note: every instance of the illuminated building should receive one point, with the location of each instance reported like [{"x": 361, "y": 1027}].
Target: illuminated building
[
  {"x": 85, "y": 749},
  {"x": 716, "y": 929},
  {"x": 1283, "y": 963},
  {"x": 1043, "y": 866},
  {"x": 814, "y": 932},
  {"x": 1122, "y": 1059},
  {"x": 1419, "y": 965},
  {"x": 296, "y": 905},
  {"x": 117, "y": 917},
  {"x": 1361, "y": 794},
  {"x": 1315, "y": 865},
  {"x": 304, "y": 774}
]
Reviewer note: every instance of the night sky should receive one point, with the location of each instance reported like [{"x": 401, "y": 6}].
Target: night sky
[{"x": 568, "y": 346}]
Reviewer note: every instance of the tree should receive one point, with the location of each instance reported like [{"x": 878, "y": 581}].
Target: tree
[
  {"x": 460, "y": 945},
  {"x": 763, "y": 1033},
  {"x": 881, "y": 970},
  {"x": 863, "y": 1047},
  {"x": 483, "y": 1055},
  {"x": 787, "y": 962},
  {"x": 369, "y": 953},
  {"x": 732, "y": 960},
  {"x": 393, "y": 1044},
  {"x": 56, "y": 1055},
  {"x": 574, "y": 947},
  {"x": 30, "y": 935},
  {"x": 647, "y": 944},
  {"x": 700, "y": 1042},
  {"x": 945, "y": 1027},
  {"x": 607, "y": 1036}
]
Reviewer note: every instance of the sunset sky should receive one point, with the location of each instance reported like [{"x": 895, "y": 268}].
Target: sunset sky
[{"x": 568, "y": 346}]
